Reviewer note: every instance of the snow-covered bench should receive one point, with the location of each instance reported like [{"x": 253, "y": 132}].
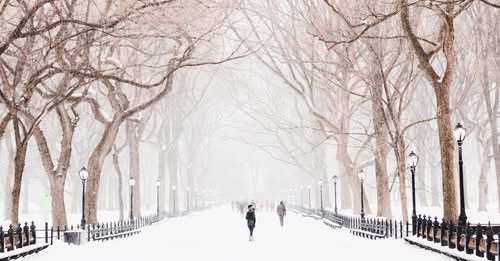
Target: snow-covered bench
[
  {"x": 470, "y": 240},
  {"x": 117, "y": 235},
  {"x": 332, "y": 220},
  {"x": 331, "y": 224},
  {"x": 19, "y": 242},
  {"x": 22, "y": 252},
  {"x": 371, "y": 231},
  {"x": 112, "y": 231}
]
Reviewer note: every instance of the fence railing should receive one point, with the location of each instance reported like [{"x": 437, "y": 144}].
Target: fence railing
[
  {"x": 17, "y": 237},
  {"x": 373, "y": 228},
  {"x": 481, "y": 240},
  {"x": 476, "y": 240}
]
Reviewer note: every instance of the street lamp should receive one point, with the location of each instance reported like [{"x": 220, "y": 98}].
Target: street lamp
[
  {"x": 412, "y": 163},
  {"x": 131, "y": 182},
  {"x": 335, "y": 179},
  {"x": 187, "y": 192},
  {"x": 459, "y": 133},
  {"x": 158, "y": 197},
  {"x": 309, "y": 192},
  {"x": 174, "y": 188},
  {"x": 321, "y": 193},
  {"x": 83, "y": 176},
  {"x": 361, "y": 176}
]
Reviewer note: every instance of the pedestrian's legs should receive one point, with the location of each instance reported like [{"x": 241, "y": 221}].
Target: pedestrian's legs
[
  {"x": 281, "y": 220},
  {"x": 251, "y": 231}
]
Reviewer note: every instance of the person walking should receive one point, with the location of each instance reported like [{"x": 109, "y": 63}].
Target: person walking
[
  {"x": 281, "y": 209},
  {"x": 250, "y": 217}
]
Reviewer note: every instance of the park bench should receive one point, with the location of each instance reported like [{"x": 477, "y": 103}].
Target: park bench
[
  {"x": 19, "y": 242},
  {"x": 473, "y": 240},
  {"x": 331, "y": 224},
  {"x": 371, "y": 231},
  {"x": 332, "y": 221},
  {"x": 107, "y": 232},
  {"x": 117, "y": 235}
]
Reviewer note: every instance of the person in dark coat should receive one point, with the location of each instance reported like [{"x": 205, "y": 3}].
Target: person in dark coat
[
  {"x": 250, "y": 217},
  {"x": 281, "y": 209}
]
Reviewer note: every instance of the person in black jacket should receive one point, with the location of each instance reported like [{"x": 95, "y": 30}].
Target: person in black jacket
[{"x": 250, "y": 217}]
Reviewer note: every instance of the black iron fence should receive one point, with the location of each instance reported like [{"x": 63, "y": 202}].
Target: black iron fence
[
  {"x": 482, "y": 240},
  {"x": 471, "y": 239},
  {"x": 17, "y": 237},
  {"x": 373, "y": 228}
]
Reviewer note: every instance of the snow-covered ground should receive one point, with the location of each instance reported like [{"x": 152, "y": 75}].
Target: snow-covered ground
[{"x": 220, "y": 234}]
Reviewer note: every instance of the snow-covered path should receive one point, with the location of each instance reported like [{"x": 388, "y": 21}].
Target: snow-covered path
[{"x": 219, "y": 234}]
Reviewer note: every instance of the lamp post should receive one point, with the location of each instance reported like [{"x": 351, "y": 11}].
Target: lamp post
[
  {"x": 309, "y": 197},
  {"x": 335, "y": 179},
  {"x": 187, "y": 197},
  {"x": 321, "y": 193},
  {"x": 131, "y": 183},
  {"x": 412, "y": 163},
  {"x": 174, "y": 188},
  {"x": 361, "y": 176},
  {"x": 158, "y": 197},
  {"x": 83, "y": 176},
  {"x": 459, "y": 133}
]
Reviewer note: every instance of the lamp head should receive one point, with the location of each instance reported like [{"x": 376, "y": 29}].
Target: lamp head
[
  {"x": 84, "y": 174},
  {"x": 459, "y": 132},
  {"x": 412, "y": 160},
  {"x": 361, "y": 175},
  {"x": 335, "y": 178},
  {"x": 131, "y": 182},
  {"x": 158, "y": 183}
]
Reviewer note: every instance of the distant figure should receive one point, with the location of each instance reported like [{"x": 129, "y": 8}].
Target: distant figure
[
  {"x": 251, "y": 220},
  {"x": 281, "y": 212}
]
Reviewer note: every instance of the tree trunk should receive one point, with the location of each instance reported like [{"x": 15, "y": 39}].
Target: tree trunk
[
  {"x": 345, "y": 167},
  {"x": 10, "y": 174},
  {"x": 119, "y": 175},
  {"x": 483, "y": 178},
  {"x": 57, "y": 196},
  {"x": 95, "y": 164},
  {"x": 492, "y": 110},
  {"x": 401, "y": 170},
  {"x": 446, "y": 142},
  {"x": 441, "y": 86},
  {"x": 134, "y": 164},
  {"x": 382, "y": 180},
  {"x": 20, "y": 160},
  {"x": 319, "y": 162}
]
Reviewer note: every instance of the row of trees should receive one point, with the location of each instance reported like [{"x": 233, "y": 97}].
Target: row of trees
[
  {"x": 380, "y": 79},
  {"x": 86, "y": 82},
  {"x": 91, "y": 76}
]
